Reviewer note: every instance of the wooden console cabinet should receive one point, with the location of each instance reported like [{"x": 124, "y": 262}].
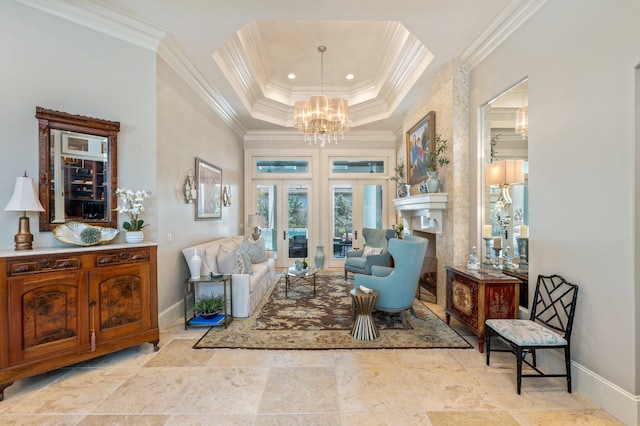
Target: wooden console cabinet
[
  {"x": 476, "y": 296},
  {"x": 62, "y": 306}
]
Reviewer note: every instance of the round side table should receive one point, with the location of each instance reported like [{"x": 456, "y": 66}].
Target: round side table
[{"x": 364, "y": 328}]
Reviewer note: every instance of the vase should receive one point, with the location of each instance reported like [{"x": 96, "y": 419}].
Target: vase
[
  {"x": 433, "y": 183},
  {"x": 402, "y": 190},
  {"x": 195, "y": 263},
  {"x": 134, "y": 236},
  {"x": 319, "y": 257}
]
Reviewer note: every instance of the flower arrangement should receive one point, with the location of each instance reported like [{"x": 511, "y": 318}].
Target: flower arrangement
[{"x": 131, "y": 204}]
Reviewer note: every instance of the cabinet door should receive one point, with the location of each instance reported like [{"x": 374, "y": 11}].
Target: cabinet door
[
  {"x": 50, "y": 315},
  {"x": 122, "y": 303}
]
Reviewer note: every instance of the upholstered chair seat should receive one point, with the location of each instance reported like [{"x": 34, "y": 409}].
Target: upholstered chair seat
[{"x": 374, "y": 252}]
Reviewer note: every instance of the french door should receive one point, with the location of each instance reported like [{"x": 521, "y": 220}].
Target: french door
[
  {"x": 355, "y": 204},
  {"x": 286, "y": 207}
]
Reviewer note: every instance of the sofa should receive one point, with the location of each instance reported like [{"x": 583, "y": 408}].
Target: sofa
[{"x": 250, "y": 280}]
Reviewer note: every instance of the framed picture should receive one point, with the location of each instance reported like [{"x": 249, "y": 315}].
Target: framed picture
[
  {"x": 209, "y": 186},
  {"x": 421, "y": 138}
]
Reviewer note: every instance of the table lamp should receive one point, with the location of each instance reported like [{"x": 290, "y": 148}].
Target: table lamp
[
  {"x": 256, "y": 221},
  {"x": 24, "y": 199}
]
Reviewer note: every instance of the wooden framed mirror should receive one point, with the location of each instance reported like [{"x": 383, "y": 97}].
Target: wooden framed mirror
[{"x": 78, "y": 169}]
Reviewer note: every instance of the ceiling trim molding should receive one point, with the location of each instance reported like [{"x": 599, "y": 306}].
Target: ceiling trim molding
[
  {"x": 104, "y": 19},
  {"x": 294, "y": 135},
  {"x": 509, "y": 20},
  {"x": 171, "y": 53}
]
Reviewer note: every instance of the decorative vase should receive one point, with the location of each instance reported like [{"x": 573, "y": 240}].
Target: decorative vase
[
  {"x": 134, "y": 236},
  {"x": 401, "y": 191},
  {"x": 319, "y": 257},
  {"x": 195, "y": 263},
  {"x": 433, "y": 183}
]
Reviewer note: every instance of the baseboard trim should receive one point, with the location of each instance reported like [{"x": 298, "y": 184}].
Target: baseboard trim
[
  {"x": 169, "y": 316},
  {"x": 607, "y": 395}
]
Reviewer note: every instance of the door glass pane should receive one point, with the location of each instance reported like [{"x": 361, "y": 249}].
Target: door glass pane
[
  {"x": 342, "y": 219},
  {"x": 298, "y": 206},
  {"x": 290, "y": 166},
  {"x": 267, "y": 203},
  {"x": 372, "y": 206},
  {"x": 363, "y": 166}
]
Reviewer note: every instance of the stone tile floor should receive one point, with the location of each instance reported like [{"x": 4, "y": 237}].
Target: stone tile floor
[{"x": 182, "y": 386}]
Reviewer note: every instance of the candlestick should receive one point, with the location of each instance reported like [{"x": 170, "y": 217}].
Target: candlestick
[
  {"x": 497, "y": 258},
  {"x": 487, "y": 251},
  {"x": 523, "y": 248}
]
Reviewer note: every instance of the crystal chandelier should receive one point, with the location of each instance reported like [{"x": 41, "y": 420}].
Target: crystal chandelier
[{"x": 320, "y": 118}]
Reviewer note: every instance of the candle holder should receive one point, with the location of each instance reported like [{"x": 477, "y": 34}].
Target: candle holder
[
  {"x": 487, "y": 251},
  {"x": 497, "y": 251},
  {"x": 523, "y": 248}
]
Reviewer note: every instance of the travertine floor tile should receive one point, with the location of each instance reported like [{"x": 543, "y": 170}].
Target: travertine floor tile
[
  {"x": 131, "y": 419},
  {"x": 471, "y": 418},
  {"x": 565, "y": 417},
  {"x": 179, "y": 353}
]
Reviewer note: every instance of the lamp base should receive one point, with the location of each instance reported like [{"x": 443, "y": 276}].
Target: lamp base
[
  {"x": 256, "y": 233},
  {"x": 23, "y": 238}
]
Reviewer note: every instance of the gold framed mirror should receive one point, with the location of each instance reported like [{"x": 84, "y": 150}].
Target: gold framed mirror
[{"x": 78, "y": 169}]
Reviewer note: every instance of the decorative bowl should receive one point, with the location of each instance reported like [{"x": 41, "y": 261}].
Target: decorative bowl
[{"x": 81, "y": 234}]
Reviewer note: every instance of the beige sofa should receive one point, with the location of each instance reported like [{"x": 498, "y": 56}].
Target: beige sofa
[{"x": 248, "y": 289}]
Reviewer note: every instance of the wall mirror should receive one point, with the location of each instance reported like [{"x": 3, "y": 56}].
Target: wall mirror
[
  {"x": 78, "y": 169},
  {"x": 505, "y": 134}
]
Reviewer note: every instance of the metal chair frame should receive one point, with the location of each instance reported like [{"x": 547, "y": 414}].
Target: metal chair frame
[{"x": 554, "y": 305}]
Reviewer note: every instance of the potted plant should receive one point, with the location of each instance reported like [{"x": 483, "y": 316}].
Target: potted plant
[
  {"x": 208, "y": 306},
  {"x": 399, "y": 178},
  {"x": 131, "y": 205},
  {"x": 435, "y": 158}
]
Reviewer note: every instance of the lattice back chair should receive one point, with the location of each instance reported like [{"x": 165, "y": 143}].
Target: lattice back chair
[{"x": 549, "y": 326}]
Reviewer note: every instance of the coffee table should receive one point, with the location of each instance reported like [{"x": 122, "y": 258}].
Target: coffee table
[{"x": 305, "y": 278}]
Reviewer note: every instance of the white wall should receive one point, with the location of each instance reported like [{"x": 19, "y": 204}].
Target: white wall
[
  {"x": 188, "y": 128},
  {"x": 50, "y": 62},
  {"x": 580, "y": 58}
]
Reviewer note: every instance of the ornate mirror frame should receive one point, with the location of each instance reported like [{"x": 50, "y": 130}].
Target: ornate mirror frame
[{"x": 49, "y": 120}]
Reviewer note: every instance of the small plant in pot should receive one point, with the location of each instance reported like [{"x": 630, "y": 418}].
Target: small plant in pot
[
  {"x": 208, "y": 306},
  {"x": 399, "y": 178}
]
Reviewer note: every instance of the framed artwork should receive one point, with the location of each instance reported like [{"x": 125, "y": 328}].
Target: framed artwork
[
  {"x": 209, "y": 186},
  {"x": 421, "y": 138}
]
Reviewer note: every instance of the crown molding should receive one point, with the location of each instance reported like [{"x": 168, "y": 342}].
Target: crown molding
[
  {"x": 509, "y": 20},
  {"x": 102, "y": 18},
  {"x": 294, "y": 135}
]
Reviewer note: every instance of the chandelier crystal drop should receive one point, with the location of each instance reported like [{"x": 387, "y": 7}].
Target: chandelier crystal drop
[{"x": 321, "y": 119}]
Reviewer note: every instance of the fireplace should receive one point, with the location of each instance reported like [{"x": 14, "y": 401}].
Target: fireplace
[
  {"x": 428, "y": 284},
  {"x": 422, "y": 217}
]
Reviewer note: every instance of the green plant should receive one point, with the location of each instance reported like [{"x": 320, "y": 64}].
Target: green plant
[
  {"x": 304, "y": 263},
  {"x": 401, "y": 173},
  {"x": 208, "y": 305},
  {"x": 435, "y": 158}
]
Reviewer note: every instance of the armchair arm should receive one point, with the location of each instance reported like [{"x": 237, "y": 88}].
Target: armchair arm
[
  {"x": 375, "y": 283},
  {"x": 355, "y": 253},
  {"x": 381, "y": 271}
]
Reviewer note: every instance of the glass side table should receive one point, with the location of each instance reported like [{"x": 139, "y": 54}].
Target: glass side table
[{"x": 222, "y": 319}]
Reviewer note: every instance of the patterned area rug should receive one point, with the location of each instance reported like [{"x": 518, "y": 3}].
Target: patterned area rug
[{"x": 302, "y": 321}]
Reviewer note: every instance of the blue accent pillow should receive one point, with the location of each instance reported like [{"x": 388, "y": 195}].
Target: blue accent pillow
[
  {"x": 248, "y": 269},
  {"x": 255, "y": 249}
]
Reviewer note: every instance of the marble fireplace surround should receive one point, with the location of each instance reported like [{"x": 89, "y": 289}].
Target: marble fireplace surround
[{"x": 422, "y": 212}]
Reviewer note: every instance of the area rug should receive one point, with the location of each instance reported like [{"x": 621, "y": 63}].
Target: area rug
[{"x": 302, "y": 321}]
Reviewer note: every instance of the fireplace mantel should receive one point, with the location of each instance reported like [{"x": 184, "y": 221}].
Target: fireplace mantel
[{"x": 423, "y": 212}]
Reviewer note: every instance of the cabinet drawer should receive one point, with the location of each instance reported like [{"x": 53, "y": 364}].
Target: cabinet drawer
[
  {"x": 122, "y": 257},
  {"x": 44, "y": 264}
]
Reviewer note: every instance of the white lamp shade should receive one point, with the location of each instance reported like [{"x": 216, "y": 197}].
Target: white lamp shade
[
  {"x": 256, "y": 220},
  {"x": 25, "y": 197},
  {"x": 505, "y": 172}
]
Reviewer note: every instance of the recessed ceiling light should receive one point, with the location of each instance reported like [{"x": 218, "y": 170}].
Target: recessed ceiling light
[
  {"x": 349, "y": 76},
  {"x": 291, "y": 76}
]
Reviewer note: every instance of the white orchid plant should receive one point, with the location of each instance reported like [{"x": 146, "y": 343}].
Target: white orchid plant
[{"x": 131, "y": 205}]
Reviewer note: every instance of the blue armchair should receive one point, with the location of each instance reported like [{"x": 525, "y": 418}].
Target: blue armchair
[
  {"x": 397, "y": 285},
  {"x": 376, "y": 238}
]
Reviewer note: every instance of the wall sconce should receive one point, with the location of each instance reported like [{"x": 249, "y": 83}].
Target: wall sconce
[
  {"x": 504, "y": 174},
  {"x": 226, "y": 194},
  {"x": 256, "y": 221},
  {"x": 24, "y": 199},
  {"x": 190, "y": 193}
]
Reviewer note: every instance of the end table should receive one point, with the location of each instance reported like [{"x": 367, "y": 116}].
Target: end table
[
  {"x": 364, "y": 328},
  {"x": 226, "y": 281}
]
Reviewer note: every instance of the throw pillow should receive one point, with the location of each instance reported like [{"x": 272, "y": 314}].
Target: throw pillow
[
  {"x": 246, "y": 260},
  {"x": 229, "y": 261},
  {"x": 255, "y": 249},
  {"x": 372, "y": 251}
]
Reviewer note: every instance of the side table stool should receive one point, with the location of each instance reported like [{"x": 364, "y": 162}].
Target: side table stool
[{"x": 364, "y": 328}]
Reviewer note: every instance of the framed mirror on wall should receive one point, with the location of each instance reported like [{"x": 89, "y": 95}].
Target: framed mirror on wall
[
  {"x": 78, "y": 169},
  {"x": 505, "y": 142}
]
